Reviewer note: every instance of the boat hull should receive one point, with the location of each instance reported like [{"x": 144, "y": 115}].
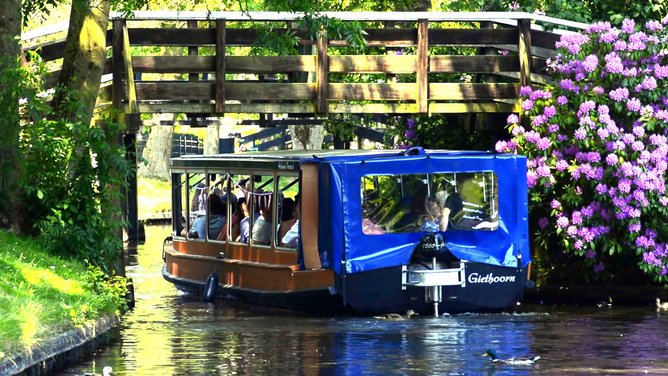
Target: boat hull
[
  {"x": 486, "y": 288},
  {"x": 313, "y": 301}
]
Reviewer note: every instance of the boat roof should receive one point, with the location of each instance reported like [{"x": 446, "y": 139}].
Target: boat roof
[{"x": 281, "y": 158}]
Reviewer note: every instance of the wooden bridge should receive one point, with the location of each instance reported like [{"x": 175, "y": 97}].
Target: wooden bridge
[
  {"x": 413, "y": 63},
  {"x": 424, "y": 62}
]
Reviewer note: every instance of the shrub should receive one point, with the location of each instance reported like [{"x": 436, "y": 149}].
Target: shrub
[{"x": 597, "y": 147}]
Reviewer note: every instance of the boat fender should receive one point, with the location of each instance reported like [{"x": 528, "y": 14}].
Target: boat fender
[{"x": 211, "y": 288}]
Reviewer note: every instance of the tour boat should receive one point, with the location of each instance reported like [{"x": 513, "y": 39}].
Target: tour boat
[{"x": 361, "y": 231}]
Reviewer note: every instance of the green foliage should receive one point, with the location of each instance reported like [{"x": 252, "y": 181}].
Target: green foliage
[
  {"x": 342, "y": 126},
  {"x": 76, "y": 171},
  {"x": 437, "y": 132},
  {"x": 107, "y": 293}
]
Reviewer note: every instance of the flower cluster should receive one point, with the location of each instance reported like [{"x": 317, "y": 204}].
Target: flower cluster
[{"x": 597, "y": 144}]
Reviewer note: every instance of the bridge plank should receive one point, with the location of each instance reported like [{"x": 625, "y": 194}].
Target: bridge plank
[
  {"x": 359, "y": 91},
  {"x": 372, "y": 63},
  {"x": 473, "y": 64},
  {"x": 205, "y": 90},
  {"x": 466, "y": 91},
  {"x": 233, "y": 64},
  {"x": 339, "y": 108}
]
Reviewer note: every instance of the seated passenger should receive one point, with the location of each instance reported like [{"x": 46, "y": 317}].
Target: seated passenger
[
  {"x": 244, "y": 224},
  {"x": 436, "y": 217},
  {"x": 288, "y": 217},
  {"x": 216, "y": 219},
  {"x": 448, "y": 198},
  {"x": 262, "y": 227},
  {"x": 291, "y": 238},
  {"x": 237, "y": 216}
]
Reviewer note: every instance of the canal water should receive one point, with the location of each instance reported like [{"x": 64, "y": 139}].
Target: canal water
[{"x": 172, "y": 334}]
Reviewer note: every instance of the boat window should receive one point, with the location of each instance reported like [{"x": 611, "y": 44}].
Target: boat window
[
  {"x": 479, "y": 201},
  {"x": 240, "y": 228},
  {"x": 414, "y": 202},
  {"x": 196, "y": 195},
  {"x": 179, "y": 222},
  {"x": 222, "y": 206},
  {"x": 262, "y": 207},
  {"x": 288, "y": 210}
]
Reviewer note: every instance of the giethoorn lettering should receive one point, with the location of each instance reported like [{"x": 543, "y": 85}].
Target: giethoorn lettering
[{"x": 490, "y": 278}]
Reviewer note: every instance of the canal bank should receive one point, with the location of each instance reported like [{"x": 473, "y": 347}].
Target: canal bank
[{"x": 62, "y": 350}]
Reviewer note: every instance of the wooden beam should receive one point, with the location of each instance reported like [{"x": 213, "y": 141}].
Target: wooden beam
[
  {"x": 479, "y": 107},
  {"x": 129, "y": 72},
  {"x": 334, "y": 107},
  {"x": 372, "y": 64},
  {"x": 117, "y": 65},
  {"x": 372, "y": 92},
  {"x": 233, "y": 64},
  {"x": 422, "y": 76},
  {"x": 524, "y": 50},
  {"x": 471, "y": 37},
  {"x": 321, "y": 78},
  {"x": 544, "y": 39},
  {"x": 473, "y": 64},
  {"x": 271, "y": 64},
  {"x": 473, "y": 92},
  {"x": 220, "y": 65},
  {"x": 373, "y": 108},
  {"x": 203, "y": 90}
]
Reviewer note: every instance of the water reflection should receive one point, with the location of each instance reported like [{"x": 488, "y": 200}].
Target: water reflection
[{"x": 171, "y": 334}]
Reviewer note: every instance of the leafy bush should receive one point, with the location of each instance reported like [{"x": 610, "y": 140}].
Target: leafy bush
[
  {"x": 73, "y": 175},
  {"x": 598, "y": 149}
]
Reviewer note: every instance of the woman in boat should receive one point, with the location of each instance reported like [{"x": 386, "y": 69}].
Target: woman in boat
[{"x": 436, "y": 216}]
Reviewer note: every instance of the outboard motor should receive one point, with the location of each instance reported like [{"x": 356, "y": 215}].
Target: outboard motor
[
  {"x": 431, "y": 245},
  {"x": 432, "y": 276}
]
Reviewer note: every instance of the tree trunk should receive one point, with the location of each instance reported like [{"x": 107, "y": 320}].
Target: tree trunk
[
  {"x": 83, "y": 61},
  {"x": 157, "y": 151},
  {"x": 12, "y": 211}
]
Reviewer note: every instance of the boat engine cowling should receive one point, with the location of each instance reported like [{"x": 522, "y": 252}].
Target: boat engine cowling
[{"x": 433, "y": 245}]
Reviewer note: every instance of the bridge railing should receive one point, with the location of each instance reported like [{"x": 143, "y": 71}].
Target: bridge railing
[{"x": 423, "y": 62}]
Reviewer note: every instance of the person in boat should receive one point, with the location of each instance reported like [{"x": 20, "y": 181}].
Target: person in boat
[
  {"x": 291, "y": 236},
  {"x": 261, "y": 233},
  {"x": 244, "y": 224},
  {"x": 288, "y": 218},
  {"x": 198, "y": 204},
  {"x": 436, "y": 216},
  {"x": 216, "y": 219},
  {"x": 236, "y": 218},
  {"x": 448, "y": 198}
]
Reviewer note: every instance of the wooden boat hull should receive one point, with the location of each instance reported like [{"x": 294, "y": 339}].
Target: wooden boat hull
[{"x": 485, "y": 288}]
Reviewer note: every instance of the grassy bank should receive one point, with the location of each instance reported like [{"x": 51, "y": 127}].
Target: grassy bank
[{"x": 42, "y": 295}]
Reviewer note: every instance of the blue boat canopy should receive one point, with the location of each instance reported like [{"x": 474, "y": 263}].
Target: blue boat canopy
[{"x": 375, "y": 207}]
